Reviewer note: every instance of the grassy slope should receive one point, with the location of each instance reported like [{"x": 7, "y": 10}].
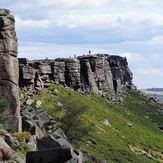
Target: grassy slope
[{"x": 117, "y": 143}]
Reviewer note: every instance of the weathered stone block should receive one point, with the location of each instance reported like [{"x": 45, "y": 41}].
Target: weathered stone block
[
  {"x": 59, "y": 155},
  {"x": 9, "y": 69}
]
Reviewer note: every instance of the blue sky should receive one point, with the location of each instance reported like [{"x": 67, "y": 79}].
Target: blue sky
[{"x": 63, "y": 28}]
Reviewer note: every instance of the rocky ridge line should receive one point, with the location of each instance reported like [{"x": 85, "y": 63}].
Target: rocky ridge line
[{"x": 102, "y": 74}]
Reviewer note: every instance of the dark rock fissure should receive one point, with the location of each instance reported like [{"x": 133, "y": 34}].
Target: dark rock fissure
[{"x": 84, "y": 73}]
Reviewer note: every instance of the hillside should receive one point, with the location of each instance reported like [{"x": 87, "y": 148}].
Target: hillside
[{"x": 126, "y": 132}]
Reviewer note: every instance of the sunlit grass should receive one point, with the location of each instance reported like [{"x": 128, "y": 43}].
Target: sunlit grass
[{"x": 114, "y": 142}]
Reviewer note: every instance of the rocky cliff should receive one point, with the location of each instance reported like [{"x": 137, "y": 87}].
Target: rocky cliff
[
  {"x": 9, "y": 68},
  {"x": 102, "y": 74}
]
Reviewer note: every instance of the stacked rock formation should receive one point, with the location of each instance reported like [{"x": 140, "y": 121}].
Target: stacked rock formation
[
  {"x": 9, "y": 68},
  {"x": 102, "y": 74}
]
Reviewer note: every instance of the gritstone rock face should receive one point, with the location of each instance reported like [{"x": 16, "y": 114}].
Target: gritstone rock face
[
  {"x": 9, "y": 69},
  {"x": 102, "y": 74}
]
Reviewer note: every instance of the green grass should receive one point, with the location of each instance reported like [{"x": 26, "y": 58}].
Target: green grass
[
  {"x": 118, "y": 143},
  {"x": 23, "y": 138}
]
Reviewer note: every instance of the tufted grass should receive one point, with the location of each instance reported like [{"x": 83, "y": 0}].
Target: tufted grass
[{"x": 23, "y": 138}]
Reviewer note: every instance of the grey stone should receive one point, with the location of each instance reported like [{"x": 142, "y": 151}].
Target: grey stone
[
  {"x": 6, "y": 147},
  {"x": 28, "y": 72},
  {"x": 29, "y": 102},
  {"x": 42, "y": 118},
  {"x": 4, "y": 12},
  {"x": 27, "y": 111},
  {"x": 47, "y": 142},
  {"x": 77, "y": 157},
  {"x": 28, "y": 125},
  {"x": 86, "y": 156},
  {"x": 38, "y": 132},
  {"x": 106, "y": 122},
  {"x": 56, "y": 91},
  {"x": 59, "y": 155},
  {"x": 59, "y": 133},
  {"x": 23, "y": 61},
  {"x": 38, "y": 104},
  {"x": 59, "y": 104},
  {"x": 64, "y": 143},
  {"x": 32, "y": 144},
  {"x": 129, "y": 124},
  {"x": 11, "y": 141}
]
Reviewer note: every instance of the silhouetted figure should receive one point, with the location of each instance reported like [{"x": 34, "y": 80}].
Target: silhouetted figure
[{"x": 90, "y": 52}]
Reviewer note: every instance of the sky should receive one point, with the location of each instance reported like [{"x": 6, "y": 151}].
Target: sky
[{"x": 64, "y": 28}]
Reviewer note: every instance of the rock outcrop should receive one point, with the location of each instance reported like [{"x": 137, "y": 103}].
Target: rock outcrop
[
  {"x": 7, "y": 145},
  {"x": 102, "y": 74},
  {"x": 9, "y": 69},
  {"x": 51, "y": 143},
  {"x": 59, "y": 155}
]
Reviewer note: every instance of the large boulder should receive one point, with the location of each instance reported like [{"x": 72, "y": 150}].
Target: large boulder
[
  {"x": 9, "y": 69},
  {"x": 58, "y": 69},
  {"x": 72, "y": 74},
  {"x": 59, "y": 155},
  {"x": 47, "y": 142},
  {"x": 27, "y": 76}
]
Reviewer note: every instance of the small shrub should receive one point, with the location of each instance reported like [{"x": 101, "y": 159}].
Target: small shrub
[
  {"x": 22, "y": 136},
  {"x": 72, "y": 124}
]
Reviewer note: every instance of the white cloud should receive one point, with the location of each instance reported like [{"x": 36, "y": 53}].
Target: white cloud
[
  {"x": 100, "y": 3},
  {"x": 111, "y": 20},
  {"x": 75, "y": 3},
  {"x": 156, "y": 40},
  {"x": 149, "y": 3},
  {"x": 153, "y": 71},
  {"x": 28, "y": 24}
]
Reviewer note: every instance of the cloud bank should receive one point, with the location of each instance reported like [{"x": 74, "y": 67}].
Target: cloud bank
[{"x": 48, "y": 28}]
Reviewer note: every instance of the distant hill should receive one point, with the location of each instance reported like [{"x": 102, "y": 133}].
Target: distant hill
[
  {"x": 154, "y": 92},
  {"x": 155, "y": 89}
]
